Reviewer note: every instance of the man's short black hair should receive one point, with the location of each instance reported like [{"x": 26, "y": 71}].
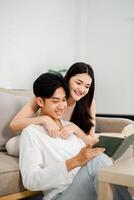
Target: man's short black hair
[{"x": 46, "y": 84}]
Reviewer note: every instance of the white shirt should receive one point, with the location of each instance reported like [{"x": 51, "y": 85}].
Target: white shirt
[{"x": 42, "y": 160}]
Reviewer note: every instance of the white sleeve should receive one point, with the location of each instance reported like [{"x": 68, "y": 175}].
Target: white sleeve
[{"x": 34, "y": 175}]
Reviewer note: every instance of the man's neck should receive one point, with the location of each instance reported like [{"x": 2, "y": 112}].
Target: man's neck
[{"x": 57, "y": 121}]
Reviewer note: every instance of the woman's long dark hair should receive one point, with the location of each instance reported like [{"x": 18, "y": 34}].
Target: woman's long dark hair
[{"x": 81, "y": 115}]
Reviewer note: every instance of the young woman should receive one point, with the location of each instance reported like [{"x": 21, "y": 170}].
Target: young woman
[{"x": 81, "y": 108}]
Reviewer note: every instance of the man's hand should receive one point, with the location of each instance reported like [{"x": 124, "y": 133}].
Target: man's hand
[{"x": 85, "y": 154}]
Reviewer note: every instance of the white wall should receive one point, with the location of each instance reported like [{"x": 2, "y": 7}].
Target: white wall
[
  {"x": 110, "y": 49},
  {"x": 37, "y": 35}
]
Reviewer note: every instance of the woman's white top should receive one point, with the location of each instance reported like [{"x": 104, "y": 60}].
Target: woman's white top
[{"x": 42, "y": 160}]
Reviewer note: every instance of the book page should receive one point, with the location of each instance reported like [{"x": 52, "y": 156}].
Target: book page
[
  {"x": 118, "y": 135},
  {"x": 127, "y": 131}
]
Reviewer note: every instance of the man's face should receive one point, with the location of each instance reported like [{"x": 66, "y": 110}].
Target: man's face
[{"x": 55, "y": 105}]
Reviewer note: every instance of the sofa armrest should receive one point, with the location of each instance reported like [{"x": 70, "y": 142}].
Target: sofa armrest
[{"x": 111, "y": 124}]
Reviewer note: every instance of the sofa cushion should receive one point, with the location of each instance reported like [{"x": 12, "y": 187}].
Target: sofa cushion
[
  {"x": 10, "y": 104},
  {"x": 111, "y": 124},
  {"x": 13, "y": 145},
  {"x": 10, "y": 177}
]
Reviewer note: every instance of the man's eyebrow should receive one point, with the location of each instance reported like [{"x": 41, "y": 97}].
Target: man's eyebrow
[
  {"x": 58, "y": 97},
  {"x": 55, "y": 98}
]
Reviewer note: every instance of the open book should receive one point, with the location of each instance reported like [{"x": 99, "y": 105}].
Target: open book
[{"x": 116, "y": 143}]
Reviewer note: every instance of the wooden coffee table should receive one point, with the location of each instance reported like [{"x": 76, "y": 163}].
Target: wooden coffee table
[{"x": 121, "y": 173}]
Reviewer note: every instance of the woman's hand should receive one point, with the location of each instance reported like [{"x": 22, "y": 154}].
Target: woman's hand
[
  {"x": 72, "y": 128},
  {"x": 91, "y": 139},
  {"x": 52, "y": 128},
  {"x": 66, "y": 131}
]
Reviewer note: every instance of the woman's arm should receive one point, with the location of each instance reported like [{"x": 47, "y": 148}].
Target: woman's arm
[
  {"x": 89, "y": 139},
  {"x": 72, "y": 128},
  {"x": 25, "y": 117},
  {"x": 93, "y": 115}
]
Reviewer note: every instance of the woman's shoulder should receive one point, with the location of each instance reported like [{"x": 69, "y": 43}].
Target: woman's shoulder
[
  {"x": 93, "y": 105},
  {"x": 68, "y": 112}
]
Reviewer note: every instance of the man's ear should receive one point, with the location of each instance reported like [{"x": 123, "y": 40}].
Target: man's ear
[{"x": 40, "y": 101}]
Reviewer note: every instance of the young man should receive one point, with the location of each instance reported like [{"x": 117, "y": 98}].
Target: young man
[{"x": 62, "y": 169}]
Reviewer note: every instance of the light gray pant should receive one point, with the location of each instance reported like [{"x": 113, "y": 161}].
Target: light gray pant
[{"x": 85, "y": 184}]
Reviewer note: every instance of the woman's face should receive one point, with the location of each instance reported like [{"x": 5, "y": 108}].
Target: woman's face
[{"x": 79, "y": 86}]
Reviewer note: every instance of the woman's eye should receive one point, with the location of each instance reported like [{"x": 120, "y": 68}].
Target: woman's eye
[{"x": 78, "y": 83}]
